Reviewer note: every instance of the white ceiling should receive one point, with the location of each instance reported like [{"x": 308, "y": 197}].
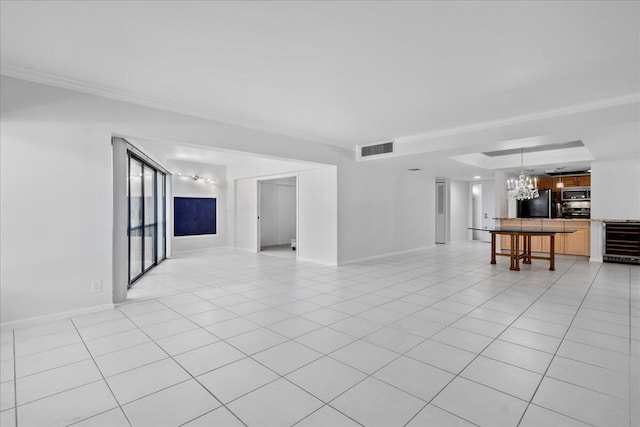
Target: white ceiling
[
  {"x": 343, "y": 73},
  {"x": 241, "y": 164}
]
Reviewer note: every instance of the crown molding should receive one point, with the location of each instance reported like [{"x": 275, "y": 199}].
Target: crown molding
[
  {"x": 547, "y": 114},
  {"x": 118, "y": 95}
]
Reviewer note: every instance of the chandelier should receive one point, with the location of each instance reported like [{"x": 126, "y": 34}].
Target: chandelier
[{"x": 524, "y": 187}]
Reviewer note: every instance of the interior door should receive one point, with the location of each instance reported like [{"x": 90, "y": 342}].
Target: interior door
[
  {"x": 267, "y": 214},
  {"x": 488, "y": 209},
  {"x": 441, "y": 212},
  {"x": 476, "y": 211},
  {"x": 286, "y": 213}
]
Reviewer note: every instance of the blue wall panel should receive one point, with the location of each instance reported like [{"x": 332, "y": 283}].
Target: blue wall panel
[{"x": 194, "y": 216}]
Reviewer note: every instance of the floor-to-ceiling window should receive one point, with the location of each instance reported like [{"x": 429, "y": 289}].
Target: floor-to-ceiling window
[
  {"x": 162, "y": 220},
  {"x": 147, "y": 217}
]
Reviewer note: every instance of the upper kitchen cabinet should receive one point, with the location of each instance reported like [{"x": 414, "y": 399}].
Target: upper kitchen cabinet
[
  {"x": 584, "y": 181},
  {"x": 574, "y": 181},
  {"x": 546, "y": 184},
  {"x": 568, "y": 181}
]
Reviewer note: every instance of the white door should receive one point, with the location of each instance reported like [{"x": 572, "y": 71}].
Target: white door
[
  {"x": 267, "y": 214},
  {"x": 286, "y": 213},
  {"x": 488, "y": 209},
  {"x": 476, "y": 211},
  {"x": 441, "y": 212}
]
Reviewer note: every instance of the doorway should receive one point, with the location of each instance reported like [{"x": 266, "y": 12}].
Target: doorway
[
  {"x": 441, "y": 212},
  {"x": 482, "y": 209},
  {"x": 277, "y": 214}
]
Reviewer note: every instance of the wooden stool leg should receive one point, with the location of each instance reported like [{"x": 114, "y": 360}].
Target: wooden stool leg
[
  {"x": 527, "y": 250},
  {"x": 512, "y": 252},
  {"x": 517, "y": 260},
  {"x": 552, "y": 253},
  {"x": 493, "y": 248}
]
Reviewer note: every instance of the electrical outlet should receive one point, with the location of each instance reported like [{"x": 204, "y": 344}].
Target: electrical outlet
[{"x": 96, "y": 286}]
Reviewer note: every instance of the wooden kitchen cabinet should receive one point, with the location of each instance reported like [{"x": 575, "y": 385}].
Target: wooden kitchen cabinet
[
  {"x": 574, "y": 181},
  {"x": 578, "y": 243},
  {"x": 570, "y": 181},
  {"x": 559, "y": 247},
  {"x": 584, "y": 181},
  {"x": 545, "y": 183}
]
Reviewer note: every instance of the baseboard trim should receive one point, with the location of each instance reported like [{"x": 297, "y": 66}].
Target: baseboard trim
[
  {"x": 14, "y": 324},
  {"x": 247, "y": 250},
  {"x": 225, "y": 247},
  {"x": 388, "y": 254},
  {"x": 317, "y": 261}
]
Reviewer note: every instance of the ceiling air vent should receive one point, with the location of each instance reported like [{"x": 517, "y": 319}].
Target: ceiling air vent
[{"x": 374, "y": 150}]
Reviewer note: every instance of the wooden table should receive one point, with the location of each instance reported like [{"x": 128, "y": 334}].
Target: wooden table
[{"x": 526, "y": 233}]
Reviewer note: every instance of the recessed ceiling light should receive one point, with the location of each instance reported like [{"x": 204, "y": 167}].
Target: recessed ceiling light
[{"x": 477, "y": 177}]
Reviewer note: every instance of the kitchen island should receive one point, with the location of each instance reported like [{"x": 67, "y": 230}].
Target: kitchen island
[{"x": 577, "y": 243}]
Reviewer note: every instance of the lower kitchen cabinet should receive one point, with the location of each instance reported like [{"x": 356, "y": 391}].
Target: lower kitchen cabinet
[{"x": 577, "y": 243}]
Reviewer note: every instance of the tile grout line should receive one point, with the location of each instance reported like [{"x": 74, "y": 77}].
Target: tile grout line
[
  {"x": 446, "y": 325},
  {"x": 62, "y": 391},
  {"x": 278, "y": 375},
  {"x": 192, "y": 377},
  {"x": 323, "y": 406},
  {"x": 330, "y": 292},
  {"x": 369, "y": 375},
  {"x": 489, "y": 344},
  {"x": 250, "y": 356},
  {"x": 556, "y": 352},
  {"x": 55, "y": 367},
  {"x": 364, "y": 319},
  {"x": 102, "y": 375}
]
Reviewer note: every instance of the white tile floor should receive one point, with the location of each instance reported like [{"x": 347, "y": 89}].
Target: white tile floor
[
  {"x": 282, "y": 251},
  {"x": 437, "y": 337}
]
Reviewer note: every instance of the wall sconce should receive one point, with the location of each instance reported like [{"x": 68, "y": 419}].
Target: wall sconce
[{"x": 198, "y": 178}]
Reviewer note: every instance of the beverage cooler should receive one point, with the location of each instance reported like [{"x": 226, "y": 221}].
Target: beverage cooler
[{"x": 622, "y": 242}]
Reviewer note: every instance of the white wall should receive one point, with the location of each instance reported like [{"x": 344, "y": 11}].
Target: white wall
[
  {"x": 615, "y": 194},
  {"x": 246, "y": 214},
  {"x": 615, "y": 189},
  {"x": 187, "y": 187},
  {"x": 460, "y": 211},
  {"x": 56, "y": 217},
  {"x": 502, "y": 201},
  {"x": 383, "y": 210},
  {"x": 476, "y": 209},
  {"x": 57, "y": 202},
  {"x": 277, "y": 213},
  {"x": 318, "y": 215},
  {"x": 268, "y": 214}
]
